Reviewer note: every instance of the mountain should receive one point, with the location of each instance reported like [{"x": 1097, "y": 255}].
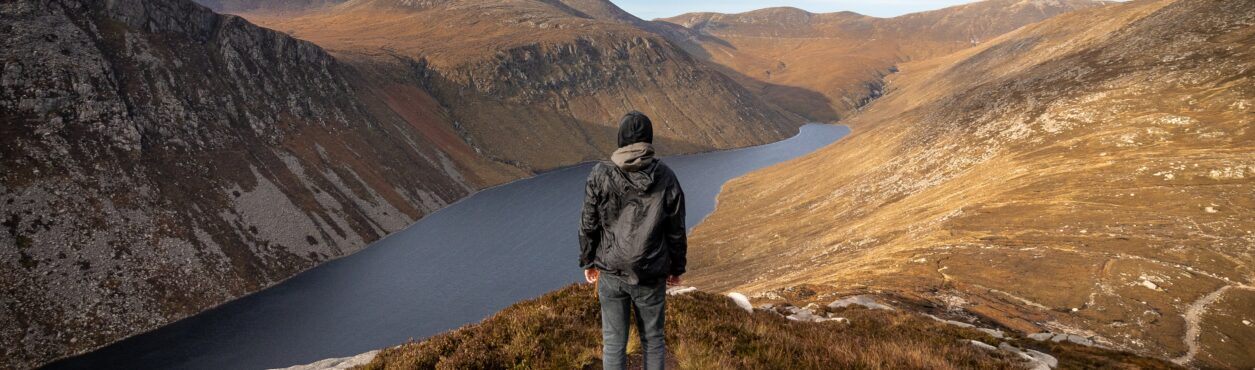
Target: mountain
[
  {"x": 561, "y": 71},
  {"x": 1090, "y": 174},
  {"x": 159, "y": 159},
  {"x": 825, "y": 66}
]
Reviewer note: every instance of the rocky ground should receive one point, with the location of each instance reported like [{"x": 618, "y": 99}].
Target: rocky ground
[{"x": 1089, "y": 175}]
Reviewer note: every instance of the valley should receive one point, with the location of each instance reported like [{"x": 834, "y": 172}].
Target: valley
[
  {"x": 160, "y": 159},
  {"x": 1076, "y": 174}
]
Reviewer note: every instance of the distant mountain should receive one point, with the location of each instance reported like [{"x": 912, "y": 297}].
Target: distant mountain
[
  {"x": 1090, "y": 174},
  {"x": 825, "y": 66},
  {"x": 540, "y": 84}
]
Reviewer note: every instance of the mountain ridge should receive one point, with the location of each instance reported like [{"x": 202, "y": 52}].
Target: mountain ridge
[
  {"x": 550, "y": 62},
  {"x": 826, "y": 66}
]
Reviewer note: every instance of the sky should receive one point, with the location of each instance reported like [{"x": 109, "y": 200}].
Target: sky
[{"x": 651, "y": 9}]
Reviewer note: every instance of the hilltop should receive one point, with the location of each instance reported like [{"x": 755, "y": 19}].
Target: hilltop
[
  {"x": 1088, "y": 175},
  {"x": 560, "y": 330}
]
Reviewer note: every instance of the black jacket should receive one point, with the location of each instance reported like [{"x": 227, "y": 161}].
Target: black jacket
[{"x": 632, "y": 224}]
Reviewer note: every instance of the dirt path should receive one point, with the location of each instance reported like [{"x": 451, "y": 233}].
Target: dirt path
[{"x": 1194, "y": 318}]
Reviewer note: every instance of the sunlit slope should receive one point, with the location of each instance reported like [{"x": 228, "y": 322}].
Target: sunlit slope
[
  {"x": 1087, "y": 174},
  {"x": 825, "y": 66}
]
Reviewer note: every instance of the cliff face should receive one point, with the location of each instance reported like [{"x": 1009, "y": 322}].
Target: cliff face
[
  {"x": 1090, "y": 174},
  {"x": 541, "y": 84},
  {"x": 826, "y": 66},
  {"x": 158, "y": 159}
]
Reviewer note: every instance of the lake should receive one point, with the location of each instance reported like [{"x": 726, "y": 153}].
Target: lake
[{"x": 456, "y": 266}]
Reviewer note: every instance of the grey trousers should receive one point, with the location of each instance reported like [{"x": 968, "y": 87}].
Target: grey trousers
[{"x": 617, "y": 300}]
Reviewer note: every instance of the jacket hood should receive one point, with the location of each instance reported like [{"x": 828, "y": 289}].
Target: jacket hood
[
  {"x": 638, "y": 163},
  {"x": 634, "y": 128}
]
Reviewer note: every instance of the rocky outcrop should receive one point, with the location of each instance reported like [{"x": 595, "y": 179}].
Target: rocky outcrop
[{"x": 158, "y": 159}]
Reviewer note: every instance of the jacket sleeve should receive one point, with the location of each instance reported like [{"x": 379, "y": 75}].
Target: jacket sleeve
[
  {"x": 590, "y": 220},
  {"x": 677, "y": 234}
]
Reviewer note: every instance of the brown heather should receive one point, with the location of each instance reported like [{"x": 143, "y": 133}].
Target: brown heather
[{"x": 561, "y": 330}]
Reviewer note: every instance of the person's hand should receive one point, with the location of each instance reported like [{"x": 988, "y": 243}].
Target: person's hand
[
  {"x": 674, "y": 280},
  {"x": 591, "y": 274}
]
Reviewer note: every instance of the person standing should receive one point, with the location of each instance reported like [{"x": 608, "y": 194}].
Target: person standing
[{"x": 633, "y": 242}]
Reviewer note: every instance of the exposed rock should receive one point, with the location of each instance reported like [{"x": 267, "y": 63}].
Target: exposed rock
[
  {"x": 677, "y": 290},
  {"x": 342, "y": 363},
  {"x": 861, "y": 300},
  {"x": 993, "y": 332},
  {"x": 952, "y": 322},
  {"x": 1035, "y": 360},
  {"x": 982, "y": 345},
  {"x": 1047, "y": 359},
  {"x": 741, "y": 301}
]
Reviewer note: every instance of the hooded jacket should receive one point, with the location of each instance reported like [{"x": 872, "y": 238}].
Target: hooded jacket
[{"x": 632, "y": 222}]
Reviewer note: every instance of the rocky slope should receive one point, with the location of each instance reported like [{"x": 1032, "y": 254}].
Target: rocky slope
[
  {"x": 825, "y": 66},
  {"x": 158, "y": 159},
  {"x": 1089, "y": 175},
  {"x": 273, "y": 6},
  {"x": 519, "y": 77}
]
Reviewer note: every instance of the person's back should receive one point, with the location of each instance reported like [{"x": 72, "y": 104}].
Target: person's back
[{"x": 632, "y": 240}]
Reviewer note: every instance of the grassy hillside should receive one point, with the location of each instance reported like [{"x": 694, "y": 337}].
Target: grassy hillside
[
  {"x": 826, "y": 66},
  {"x": 1089, "y": 174},
  {"x": 561, "y": 330}
]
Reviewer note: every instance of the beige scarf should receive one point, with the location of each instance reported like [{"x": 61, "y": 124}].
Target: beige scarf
[{"x": 634, "y": 157}]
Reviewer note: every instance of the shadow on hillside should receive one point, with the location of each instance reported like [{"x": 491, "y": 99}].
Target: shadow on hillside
[{"x": 807, "y": 103}]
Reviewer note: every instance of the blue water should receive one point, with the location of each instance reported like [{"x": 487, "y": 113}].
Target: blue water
[{"x": 453, "y": 267}]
